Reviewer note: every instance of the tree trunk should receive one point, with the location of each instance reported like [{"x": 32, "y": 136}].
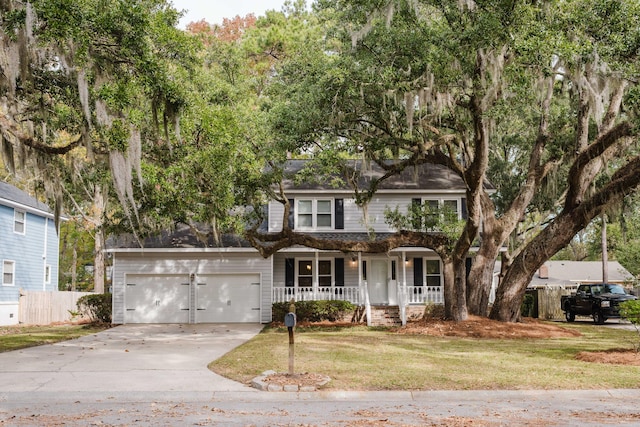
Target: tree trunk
[
  {"x": 479, "y": 282},
  {"x": 605, "y": 251},
  {"x": 74, "y": 270},
  {"x": 455, "y": 306},
  {"x": 99, "y": 203},
  {"x": 98, "y": 263}
]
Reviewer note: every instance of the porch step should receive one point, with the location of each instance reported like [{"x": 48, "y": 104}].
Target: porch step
[{"x": 385, "y": 316}]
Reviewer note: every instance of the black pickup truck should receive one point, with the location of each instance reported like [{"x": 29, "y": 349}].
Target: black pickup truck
[{"x": 600, "y": 300}]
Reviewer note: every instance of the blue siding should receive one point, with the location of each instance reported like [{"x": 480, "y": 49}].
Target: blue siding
[{"x": 31, "y": 251}]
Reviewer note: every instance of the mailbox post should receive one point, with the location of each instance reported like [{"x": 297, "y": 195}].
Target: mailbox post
[{"x": 290, "y": 323}]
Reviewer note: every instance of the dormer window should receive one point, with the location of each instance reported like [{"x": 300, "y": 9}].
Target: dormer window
[{"x": 19, "y": 222}]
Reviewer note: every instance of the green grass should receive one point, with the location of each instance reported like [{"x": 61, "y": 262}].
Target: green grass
[
  {"x": 359, "y": 358},
  {"x": 17, "y": 337}
]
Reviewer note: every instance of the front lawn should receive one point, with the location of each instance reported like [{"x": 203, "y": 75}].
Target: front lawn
[
  {"x": 361, "y": 358},
  {"x": 17, "y": 337}
]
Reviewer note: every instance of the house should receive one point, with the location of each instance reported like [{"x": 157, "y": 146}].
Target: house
[
  {"x": 175, "y": 278},
  {"x": 29, "y": 249},
  {"x": 570, "y": 274}
]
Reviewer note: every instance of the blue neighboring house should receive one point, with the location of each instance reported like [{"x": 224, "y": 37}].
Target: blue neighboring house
[{"x": 29, "y": 249}]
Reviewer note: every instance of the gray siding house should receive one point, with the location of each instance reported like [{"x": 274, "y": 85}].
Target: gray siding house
[
  {"x": 29, "y": 249},
  {"x": 175, "y": 278}
]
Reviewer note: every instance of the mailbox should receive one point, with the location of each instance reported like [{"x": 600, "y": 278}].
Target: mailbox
[{"x": 290, "y": 320}]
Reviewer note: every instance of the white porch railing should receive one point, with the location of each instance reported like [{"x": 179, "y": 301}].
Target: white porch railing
[
  {"x": 322, "y": 293},
  {"x": 413, "y": 295},
  {"x": 425, "y": 294}
]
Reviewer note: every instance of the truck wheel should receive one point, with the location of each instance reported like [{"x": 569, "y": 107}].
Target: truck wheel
[
  {"x": 598, "y": 318},
  {"x": 569, "y": 315}
]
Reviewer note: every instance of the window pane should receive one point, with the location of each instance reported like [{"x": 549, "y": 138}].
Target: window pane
[
  {"x": 433, "y": 266},
  {"x": 324, "y": 268},
  {"x": 324, "y": 220},
  {"x": 433, "y": 280},
  {"x": 324, "y": 206},
  {"x": 304, "y": 282},
  {"x": 19, "y": 227},
  {"x": 305, "y": 206},
  {"x": 305, "y": 268},
  {"x": 324, "y": 281},
  {"x": 451, "y": 205},
  {"x": 433, "y": 205},
  {"x": 305, "y": 220}
]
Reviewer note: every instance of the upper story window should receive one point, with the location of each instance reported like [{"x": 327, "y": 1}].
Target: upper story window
[
  {"x": 8, "y": 273},
  {"x": 430, "y": 212},
  {"x": 314, "y": 214},
  {"x": 19, "y": 221}
]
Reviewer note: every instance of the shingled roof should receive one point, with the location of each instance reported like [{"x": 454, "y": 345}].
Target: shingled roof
[
  {"x": 423, "y": 176},
  {"x": 10, "y": 195}
]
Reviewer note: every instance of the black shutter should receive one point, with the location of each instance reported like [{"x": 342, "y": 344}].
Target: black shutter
[
  {"x": 292, "y": 213},
  {"x": 339, "y": 214},
  {"x": 418, "y": 279},
  {"x": 463, "y": 208},
  {"x": 417, "y": 219},
  {"x": 289, "y": 271},
  {"x": 339, "y": 266}
]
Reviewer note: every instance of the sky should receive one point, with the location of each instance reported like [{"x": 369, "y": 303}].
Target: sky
[{"x": 214, "y": 10}]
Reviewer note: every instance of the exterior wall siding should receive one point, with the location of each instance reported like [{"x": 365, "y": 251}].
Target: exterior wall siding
[
  {"x": 30, "y": 252},
  {"x": 354, "y": 220},
  {"x": 175, "y": 262}
]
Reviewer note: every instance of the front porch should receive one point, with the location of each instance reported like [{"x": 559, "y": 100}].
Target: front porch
[
  {"x": 398, "y": 279},
  {"x": 409, "y": 295}
]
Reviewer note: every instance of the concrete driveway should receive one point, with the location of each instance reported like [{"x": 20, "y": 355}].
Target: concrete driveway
[{"x": 128, "y": 358}]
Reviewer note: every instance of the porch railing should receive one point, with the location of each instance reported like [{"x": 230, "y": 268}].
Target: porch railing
[
  {"x": 425, "y": 294},
  {"x": 322, "y": 293},
  {"x": 353, "y": 294}
]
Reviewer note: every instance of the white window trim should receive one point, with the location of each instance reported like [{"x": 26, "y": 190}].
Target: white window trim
[
  {"x": 427, "y": 275},
  {"x": 314, "y": 213},
  {"x": 441, "y": 201},
  {"x": 315, "y": 274},
  {"x": 13, "y": 273},
  {"x": 23, "y": 221}
]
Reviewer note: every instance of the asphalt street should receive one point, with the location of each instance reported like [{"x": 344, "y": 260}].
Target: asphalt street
[{"x": 156, "y": 375}]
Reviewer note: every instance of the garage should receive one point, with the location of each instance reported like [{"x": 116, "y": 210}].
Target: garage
[
  {"x": 229, "y": 298},
  {"x": 157, "y": 298}
]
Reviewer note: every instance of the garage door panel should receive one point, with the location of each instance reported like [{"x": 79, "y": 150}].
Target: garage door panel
[
  {"x": 157, "y": 299},
  {"x": 228, "y": 298}
]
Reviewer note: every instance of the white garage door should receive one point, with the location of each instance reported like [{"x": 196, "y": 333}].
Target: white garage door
[
  {"x": 228, "y": 298},
  {"x": 157, "y": 299}
]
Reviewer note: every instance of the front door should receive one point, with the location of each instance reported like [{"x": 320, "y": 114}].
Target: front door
[{"x": 378, "y": 281}]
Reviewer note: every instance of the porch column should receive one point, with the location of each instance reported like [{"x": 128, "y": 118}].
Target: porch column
[
  {"x": 367, "y": 303},
  {"x": 404, "y": 299},
  {"x": 315, "y": 279}
]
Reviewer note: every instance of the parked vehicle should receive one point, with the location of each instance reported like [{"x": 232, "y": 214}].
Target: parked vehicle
[{"x": 599, "y": 300}]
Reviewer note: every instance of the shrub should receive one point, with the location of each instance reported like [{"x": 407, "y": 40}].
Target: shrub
[
  {"x": 630, "y": 310},
  {"x": 313, "y": 311},
  {"x": 97, "y": 307},
  {"x": 433, "y": 311}
]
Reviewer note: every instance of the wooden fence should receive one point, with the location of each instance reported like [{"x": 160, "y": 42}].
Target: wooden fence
[
  {"x": 546, "y": 302},
  {"x": 46, "y": 307}
]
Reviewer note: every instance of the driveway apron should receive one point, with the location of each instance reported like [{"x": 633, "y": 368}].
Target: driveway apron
[{"x": 163, "y": 357}]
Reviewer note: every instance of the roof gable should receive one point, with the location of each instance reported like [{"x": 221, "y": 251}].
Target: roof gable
[
  {"x": 424, "y": 176},
  {"x": 13, "y": 196}
]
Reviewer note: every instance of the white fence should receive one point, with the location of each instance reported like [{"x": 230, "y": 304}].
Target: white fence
[
  {"x": 46, "y": 307},
  {"x": 341, "y": 293}
]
